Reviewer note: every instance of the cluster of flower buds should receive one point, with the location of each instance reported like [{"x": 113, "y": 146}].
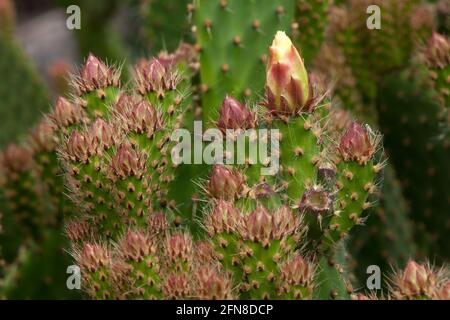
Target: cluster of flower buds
[{"x": 416, "y": 281}]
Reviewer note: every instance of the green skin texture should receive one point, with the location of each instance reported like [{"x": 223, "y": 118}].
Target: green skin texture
[
  {"x": 160, "y": 29},
  {"x": 341, "y": 223},
  {"x": 420, "y": 158},
  {"x": 442, "y": 84},
  {"x": 246, "y": 69},
  {"x": 295, "y": 135},
  {"x": 24, "y": 95},
  {"x": 387, "y": 239},
  {"x": 330, "y": 282},
  {"x": 312, "y": 19}
]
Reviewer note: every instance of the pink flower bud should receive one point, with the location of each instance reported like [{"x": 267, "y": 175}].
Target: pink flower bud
[
  {"x": 223, "y": 218},
  {"x": 128, "y": 162},
  {"x": 297, "y": 272},
  {"x": 102, "y": 135},
  {"x": 212, "y": 285},
  {"x": 177, "y": 286},
  {"x": 78, "y": 147},
  {"x": 16, "y": 159},
  {"x": 179, "y": 248},
  {"x": 416, "y": 280},
  {"x": 438, "y": 51},
  {"x": 66, "y": 113},
  {"x": 136, "y": 245},
  {"x": 93, "y": 257},
  {"x": 96, "y": 75},
  {"x": 287, "y": 85},
  {"x": 142, "y": 117},
  {"x": 155, "y": 76},
  {"x": 225, "y": 183},
  {"x": 235, "y": 115},
  {"x": 355, "y": 144}
]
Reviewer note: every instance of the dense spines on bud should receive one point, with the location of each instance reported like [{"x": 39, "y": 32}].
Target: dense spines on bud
[
  {"x": 211, "y": 284},
  {"x": 66, "y": 114},
  {"x": 143, "y": 118},
  {"x": 356, "y": 145},
  {"x": 95, "y": 74},
  {"x": 78, "y": 231},
  {"x": 139, "y": 253},
  {"x": 225, "y": 183},
  {"x": 224, "y": 218},
  {"x": 235, "y": 115},
  {"x": 417, "y": 281},
  {"x": 156, "y": 76},
  {"x": 177, "y": 286},
  {"x": 128, "y": 162},
  {"x": 296, "y": 279},
  {"x": 96, "y": 267},
  {"x": 287, "y": 84},
  {"x": 179, "y": 251}
]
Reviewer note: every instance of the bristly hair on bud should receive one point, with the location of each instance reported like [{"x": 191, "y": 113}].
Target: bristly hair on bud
[
  {"x": 211, "y": 284},
  {"x": 143, "y": 118},
  {"x": 416, "y": 281},
  {"x": 179, "y": 251},
  {"x": 357, "y": 144},
  {"x": 66, "y": 114},
  {"x": 224, "y": 218},
  {"x": 287, "y": 84},
  {"x": 157, "y": 223},
  {"x": 263, "y": 226},
  {"x": 235, "y": 115},
  {"x": 15, "y": 159},
  {"x": 95, "y": 74},
  {"x": 225, "y": 183},
  {"x": 437, "y": 53},
  {"x": 102, "y": 135},
  {"x": 177, "y": 286},
  {"x": 78, "y": 147},
  {"x": 128, "y": 162},
  {"x": 78, "y": 230},
  {"x": 297, "y": 271},
  {"x": 92, "y": 257},
  {"x": 136, "y": 245},
  {"x": 156, "y": 76}
]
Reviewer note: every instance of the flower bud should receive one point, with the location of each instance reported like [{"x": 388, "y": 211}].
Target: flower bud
[
  {"x": 212, "y": 285},
  {"x": 102, "y": 135},
  {"x": 235, "y": 115},
  {"x": 355, "y": 144},
  {"x": 78, "y": 147},
  {"x": 225, "y": 183},
  {"x": 416, "y": 280},
  {"x": 128, "y": 162},
  {"x": 142, "y": 117},
  {"x": 155, "y": 76},
  {"x": 157, "y": 223},
  {"x": 223, "y": 218},
  {"x": 179, "y": 249},
  {"x": 287, "y": 85},
  {"x": 438, "y": 51},
  {"x": 136, "y": 245},
  {"x": 177, "y": 286},
  {"x": 66, "y": 113},
  {"x": 16, "y": 159},
  {"x": 93, "y": 257},
  {"x": 297, "y": 272},
  {"x": 96, "y": 75}
]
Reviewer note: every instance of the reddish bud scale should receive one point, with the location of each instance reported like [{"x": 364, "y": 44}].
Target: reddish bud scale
[
  {"x": 416, "y": 281},
  {"x": 136, "y": 245},
  {"x": 235, "y": 115},
  {"x": 223, "y": 219},
  {"x": 156, "y": 76},
  {"x": 128, "y": 162},
  {"x": 142, "y": 118},
  {"x": 287, "y": 86},
  {"x": 66, "y": 114},
  {"x": 356, "y": 145},
  {"x": 225, "y": 183},
  {"x": 177, "y": 286},
  {"x": 96, "y": 75},
  {"x": 212, "y": 284},
  {"x": 296, "y": 277},
  {"x": 179, "y": 252},
  {"x": 96, "y": 266}
]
